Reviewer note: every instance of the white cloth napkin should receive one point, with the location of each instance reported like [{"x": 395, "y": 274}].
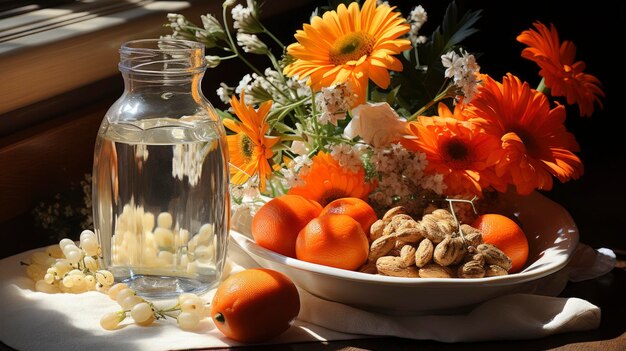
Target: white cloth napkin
[{"x": 38, "y": 321}]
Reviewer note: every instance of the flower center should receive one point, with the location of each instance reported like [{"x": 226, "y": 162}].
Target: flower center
[
  {"x": 351, "y": 47},
  {"x": 246, "y": 146},
  {"x": 532, "y": 148},
  {"x": 332, "y": 194},
  {"x": 456, "y": 152}
]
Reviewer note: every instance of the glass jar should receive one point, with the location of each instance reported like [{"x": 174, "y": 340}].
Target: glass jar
[{"x": 160, "y": 174}]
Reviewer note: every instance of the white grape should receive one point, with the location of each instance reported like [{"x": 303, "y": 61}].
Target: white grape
[
  {"x": 142, "y": 312},
  {"x": 65, "y": 242},
  {"x": 184, "y": 296},
  {"x": 90, "y": 246},
  {"x": 111, "y": 320},
  {"x": 54, "y": 251},
  {"x": 90, "y": 263},
  {"x": 67, "y": 281},
  {"x": 130, "y": 301},
  {"x": 62, "y": 266},
  {"x": 49, "y": 278},
  {"x": 90, "y": 282},
  {"x": 74, "y": 256},
  {"x": 164, "y": 220},
  {"x": 105, "y": 277},
  {"x": 164, "y": 237},
  {"x": 87, "y": 234},
  {"x": 41, "y": 258},
  {"x": 188, "y": 320},
  {"x": 193, "y": 305},
  {"x": 115, "y": 289},
  {"x": 124, "y": 293},
  {"x": 44, "y": 287}
]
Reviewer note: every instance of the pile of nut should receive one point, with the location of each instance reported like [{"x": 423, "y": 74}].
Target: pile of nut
[{"x": 433, "y": 247}]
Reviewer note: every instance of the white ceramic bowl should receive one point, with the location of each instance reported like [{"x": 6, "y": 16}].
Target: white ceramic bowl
[{"x": 552, "y": 236}]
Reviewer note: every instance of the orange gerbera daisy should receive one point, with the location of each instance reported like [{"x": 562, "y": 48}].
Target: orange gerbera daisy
[
  {"x": 457, "y": 150},
  {"x": 561, "y": 74},
  {"x": 326, "y": 181},
  {"x": 535, "y": 144},
  {"x": 350, "y": 45},
  {"x": 249, "y": 149}
]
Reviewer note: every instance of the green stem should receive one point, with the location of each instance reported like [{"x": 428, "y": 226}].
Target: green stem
[
  {"x": 444, "y": 94},
  {"x": 542, "y": 87},
  {"x": 282, "y": 46}
]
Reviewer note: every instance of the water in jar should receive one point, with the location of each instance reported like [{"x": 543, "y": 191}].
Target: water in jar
[{"x": 162, "y": 221}]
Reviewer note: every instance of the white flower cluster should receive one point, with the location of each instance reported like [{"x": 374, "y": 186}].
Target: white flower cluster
[
  {"x": 349, "y": 157},
  {"x": 250, "y": 43},
  {"x": 401, "y": 175},
  {"x": 244, "y": 19},
  {"x": 272, "y": 85},
  {"x": 334, "y": 101},
  {"x": 464, "y": 70},
  {"x": 417, "y": 18},
  {"x": 298, "y": 167}
]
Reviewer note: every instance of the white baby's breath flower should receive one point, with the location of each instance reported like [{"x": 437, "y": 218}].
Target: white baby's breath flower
[
  {"x": 463, "y": 69},
  {"x": 244, "y": 84},
  {"x": 245, "y": 20},
  {"x": 212, "y": 61},
  {"x": 417, "y": 18},
  {"x": 250, "y": 43},
  {"x": 211, "y": 24},
  {"x": 334, "y": 102},
  {"x": 348, "y": 157},
  {"x": 224, "y": 92},
  {"x": 434, "y": 182}
]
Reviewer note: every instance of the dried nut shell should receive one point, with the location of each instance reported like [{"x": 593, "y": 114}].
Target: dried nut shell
[
  {"x": 380, "y": 247},
  {"x": 433, "y": 270},
  {"x": 471, "y": 269},
  {"x": 444, "y": 216},
  {"x": 369, "y": 267},
  {"x": 407, "y": 254},
  {"x": 493, "y": 271},
  {"x": 409, "y": 235},
  {"x": 392, "y": 212},
  {"x": 430, "y": 228},
  {"x": 395, "y": 223},
  {"x": 410, "y": 223},
  {"x": 473, "y": 236},
  {"x": 392, "y": 266},
  {"x": 424, "y": 253},
  {"x": 376, "y": 230},
  {"x": 449, "y": 251},
  {"x": 493, "y": 255}
]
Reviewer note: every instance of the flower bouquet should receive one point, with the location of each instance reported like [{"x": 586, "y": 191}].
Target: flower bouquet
[{"x": 364, "y": 105}]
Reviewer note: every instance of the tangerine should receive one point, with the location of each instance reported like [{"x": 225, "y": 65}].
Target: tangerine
[
  {"x": 255, "y": 305},
  {"x": 354, "y": 207},
  {"x": 277, "y": 223},
  {"x": 505, "y": 234},
  {"x": 333, "y": 240}
]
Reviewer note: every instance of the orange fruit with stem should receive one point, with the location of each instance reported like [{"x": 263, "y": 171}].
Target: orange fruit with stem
[
  {"x": 354, "y": 207},
  {"x": 505, "y": 234},
  {"x": 255, "y": 305},
  {"x": 333, "y": 240},
  {"x": 277, "y": 223}
]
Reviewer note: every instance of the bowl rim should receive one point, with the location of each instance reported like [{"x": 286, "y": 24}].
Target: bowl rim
[{"x": 250, "y": 247}]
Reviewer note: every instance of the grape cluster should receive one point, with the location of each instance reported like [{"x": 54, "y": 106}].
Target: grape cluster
[
  {"x": 70, "y": 268},
  {"x": 189, "y": 311}
]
